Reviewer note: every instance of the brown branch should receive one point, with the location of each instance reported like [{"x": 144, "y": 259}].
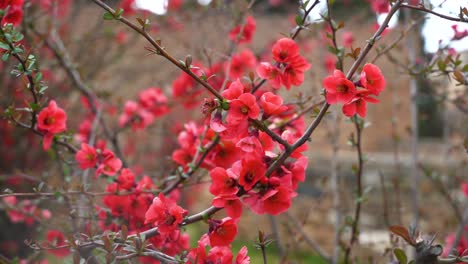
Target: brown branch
[
  {"x": 182, "y": 178},
  {"x": 423, "y": 9},
  {"x": 160, "y": 50},
  {"x": 314, "y": 245}
]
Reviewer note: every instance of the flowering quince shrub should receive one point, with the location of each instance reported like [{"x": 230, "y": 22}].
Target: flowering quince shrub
[{"x": 250, "y": 141}]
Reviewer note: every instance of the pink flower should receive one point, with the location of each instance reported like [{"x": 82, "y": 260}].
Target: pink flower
[
  {"x": 348, "y": 39},
  {"x": 250, "y": 172},
  {"x": 86, "y": 156},
  {"x": 380, "y": 6},
  {"x": 241, "y": 63},
  {"x": 50, "y": 121},
  {"x": 110, "y": 164},
  {"x": 330, "y": 63},
  {"x": 271, "y": 73},
  {"x": 223, "y": 182},
  {"x": 136, "y": 116},
  {"x": 165, "y": 214},
  {"x": 372, "y": 79},
  {"x": 293, "y": 72},
  {"x": 248, "y": 30},
  {"x": 242, "y": 257},
  {"x": 357, "y": 105},
  {"x": 339, "y": 89},
  {"x": 222, "y": 233},
  {"x": 272, "y": 104},
  {"x": 126, "y": 179},
  {"x": 154, "y": 101},
  {"x": 231, "y": 204},
  {"x": 285, "y": 50},
  {"x": 243, "y": 108},
  {"x": 234, "y": 90},
  {"x": 465, "y": 188}
]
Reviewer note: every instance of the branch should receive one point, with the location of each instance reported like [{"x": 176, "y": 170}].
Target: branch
[
  {"x": 423, "y": 9},
  {"x": 314, "y": 245},
  {"x": 159, "y": 49}
]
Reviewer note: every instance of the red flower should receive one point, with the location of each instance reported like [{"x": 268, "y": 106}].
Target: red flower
[
  {"x": 271, "y": 73},
  {"x": 243, "y": 108},
  {"x": 278, "y": 200},
  {"x": 154, "y": 101},
  {"x": 272, "y": 104},
  {"x": 51, "y": 120},
  {"x": 86, "y": 156},
  {"x": 248, "y": 30},
  {"x": 223, "y": 182},
  {"x": 136, "y": 116},
  {"x": 241, "y": 64},
  {"x": 57, "y": 239},
  {"x": 242, "y": 257},
  {"x": 119, "y": 204},
  {"x": 126, "y": 179},
  {"x": 285, "y": 50},
  {"x": 250, "y": 172},
  {"x": 251, "y": 146},
  {"x": 358, "y": 104},
  {"x": 165, "y": 214},
  {"x": 330, "y": 63},
  {"x": 293, "y": 73},
  {"x": 222, "y": 233},
  {"x": 339, "y": 89},
  {"x": 372, "y": 79},
  {"x": 231, "y": 204},
  {"x": 128, "y": 6},
  {"x": 465, "y": 188},
  {"x": 234, "y": 90},
  {"x": 348, "y": 39},
  {"x": 110, "y": 164},
  {"x": 380, "y": 6},
  {"x": 13, "y": 16}
]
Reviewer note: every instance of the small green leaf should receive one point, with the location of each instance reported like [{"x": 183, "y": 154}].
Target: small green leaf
[
  {"x": 299, "y": 20},
  {"x": 118, "y": 13},
  {"x": 4, "y": 46},
  {"x": 5, "y": 56},
  {"x": 400, "y": 255},
  {"x": 108, "y": 16}
]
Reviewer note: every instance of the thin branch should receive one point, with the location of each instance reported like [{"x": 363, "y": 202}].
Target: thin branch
[
  {"x": 423, "y": 9},
  {"x": 314, "y": 245},
  {"x": 160, "y": 50}
]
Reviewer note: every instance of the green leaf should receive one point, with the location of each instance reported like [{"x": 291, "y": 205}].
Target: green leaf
[
  {"x": 4, "y": 46},
  {"x": 5, "y": 56},
  {"x": 38, "y": 77},
  {"x": 108, "y": 16},
  {"x": 400, "y": 255},
  {"x": 43, "y": 89},
  {"x": 299, "y": 20},
  {"x": 118, "y": 13}
]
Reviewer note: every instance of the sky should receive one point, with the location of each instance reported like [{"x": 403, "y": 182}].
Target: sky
[{"x": 435, "y": 29}]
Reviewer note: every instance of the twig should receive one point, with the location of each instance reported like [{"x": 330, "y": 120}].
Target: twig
[
  {"x": 314, "y": 245},
  {"x": 423, "y": 9}
]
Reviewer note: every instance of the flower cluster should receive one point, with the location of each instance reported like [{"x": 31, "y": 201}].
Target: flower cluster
[
  {"x": 217, "y": 254},
  {"x": 24, "y": 211},
  {"x": 104, "y": 160},
  {"x": 152, "y": 104},
  {"x": 341, "y": 90},
  {"x": 289, "y": 67},
  {"x": 248, "y": 30}
]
